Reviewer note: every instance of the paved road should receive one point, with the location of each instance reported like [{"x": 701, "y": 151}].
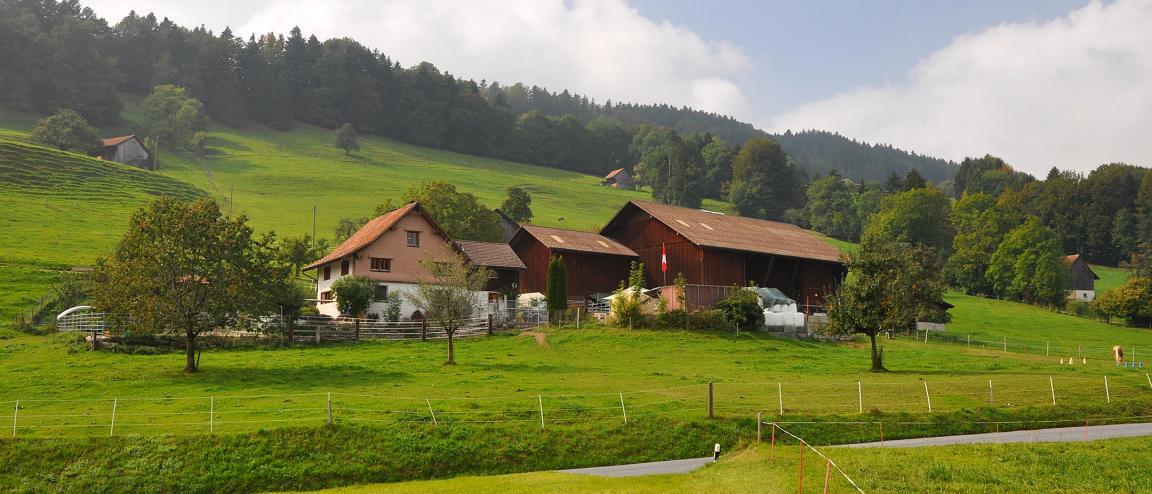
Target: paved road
[
  {"x": 1063, "y": 434},
  {"x": 639, "y": 469}
]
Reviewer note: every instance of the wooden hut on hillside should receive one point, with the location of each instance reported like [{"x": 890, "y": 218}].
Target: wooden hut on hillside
[
  {"x": 1081, "y": 282},
  {"x": 619, "y": 178},
  {"x": 129, "y": 150}
]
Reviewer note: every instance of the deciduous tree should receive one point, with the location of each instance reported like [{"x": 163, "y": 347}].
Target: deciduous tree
[
  {"x": 173, "y": 115},
  {"x": 66, "y": 130},
  {"x": 185, "y": 268},
  {"x": 353, "y": 296},
  {"x": 347, "y": 139},
  {"x": 518, "y": 205},
  {"x": 451, "y": 296},
  {"x": 1028, "y": 265}
]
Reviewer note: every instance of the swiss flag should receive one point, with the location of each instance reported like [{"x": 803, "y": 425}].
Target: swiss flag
[{"x": 663, "y": 258}]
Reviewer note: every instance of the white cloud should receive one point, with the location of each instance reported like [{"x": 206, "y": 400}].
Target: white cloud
[
  {"x": 599, "y": 48},
  {"x": 1073, "y": 93}
]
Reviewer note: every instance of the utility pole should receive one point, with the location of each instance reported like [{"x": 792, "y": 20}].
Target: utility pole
[{"x": 313, "y": 226}]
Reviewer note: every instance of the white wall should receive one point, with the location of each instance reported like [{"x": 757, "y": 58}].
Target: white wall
[
  {"x": 1082, "y": 295},
  {"x": 381, "y": 308}
]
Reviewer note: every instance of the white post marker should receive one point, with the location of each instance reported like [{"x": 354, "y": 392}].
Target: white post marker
[
  {"x": 860, "y": 395},
  {"x": 429, "y": 402},
  {"x": 716, "y": 451},
  {"x": 1107, "y": 392},
  {"x": 925, "y": 335},
  {"x": 541, "y": 398},
  {"x": 115, "y": 401},
  {"x": 622, "y": 409},
  {"x": 928, "y": 396},
  {"x": 780, "y": 396},
  {"x": 15, "y": 413},
  {"x": 1052, "y": 386}
]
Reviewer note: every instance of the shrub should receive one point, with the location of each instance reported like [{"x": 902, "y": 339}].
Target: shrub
[{"x": 741, "y": 309}]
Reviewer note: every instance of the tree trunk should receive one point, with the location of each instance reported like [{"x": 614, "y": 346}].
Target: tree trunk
[
  {"x": 357, "y": 336},
  {"x": 877, "y": 359},
  {"x": 451, "y": 349},
  {"x": 190, "y": 353}
]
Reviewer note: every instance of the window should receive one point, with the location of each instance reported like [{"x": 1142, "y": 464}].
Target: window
[
  {"x": 325, "y": 297},
  {"x": 381, "y": 293},
  {"x": 381, "y": 264},
  {"x": 327, "y": 272},
  {"x": 344, "y": 267},
  {"x": 413, "y": 239}
]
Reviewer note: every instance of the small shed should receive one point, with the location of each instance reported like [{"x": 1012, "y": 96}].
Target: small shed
[
  {"x": 501, "y": 260},
  {"x": 1081, "y": 284},
  {"x": 619, "y": 178},
  {"x": 129, "y": 150}
]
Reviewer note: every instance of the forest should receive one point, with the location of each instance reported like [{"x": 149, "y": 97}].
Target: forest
[{"x": 60, "y": 54}]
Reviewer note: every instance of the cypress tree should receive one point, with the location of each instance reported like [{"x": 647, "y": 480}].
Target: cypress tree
[{"x": 557, "y": 286}]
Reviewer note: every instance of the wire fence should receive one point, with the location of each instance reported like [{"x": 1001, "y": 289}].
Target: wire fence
[
  {"x": 42, "y": 417},
  {"x": 1132, "y": 353},
  {"x": 829, "y": 482}
]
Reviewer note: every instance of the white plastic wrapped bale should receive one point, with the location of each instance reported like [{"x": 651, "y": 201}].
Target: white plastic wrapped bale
[
  {"x": 771, "y": 319},
  {"x": 797, "y": 319}
]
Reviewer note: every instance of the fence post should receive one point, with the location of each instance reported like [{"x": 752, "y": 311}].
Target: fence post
[
  {"x": 860, "y": 395},
  {"x": 211, "y": 414},
  {"x": 112, "y": 427},
  {"x": 990, "y": 396},
  {"x": 926, "y": 395},
  {"x": 780, "y": 396},
  {"x": 709, "y": 400},
  {"x": 1149, "y": 379},
  {"x": 800, "y": 486},
  {"x": 317, "y": 328},
  {"x": 969, "y": 341},
  {"x": 1052, "y": 386},
  {"x": 489, "y": 324},
  {"x": 1078, "y": 353},
  {"x": 827, "y": 475},
  {"x": 429, "y": 402},
  {"x": 423, "y": 329},
  {"x": 1046, "y": 346},
  {"x": 15, "y": 413},
  {"x": 925, "y": 335},
  {"x": 759, "y": 428},
  {"x": 772, "y": 447},
  {"x": 329, "y": 408},
  {"x": 622, "y": 409},
  {"x": 1005, "y": 343},
  {"x": 1107, "y": 392},
  {"x": 578, "y": 318},
  {"x": 541, "y": 398}
]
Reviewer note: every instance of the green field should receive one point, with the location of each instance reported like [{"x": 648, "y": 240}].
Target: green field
[
  {"x": 1116, "y": 465},
  {"x": 1109, "y": 278}
]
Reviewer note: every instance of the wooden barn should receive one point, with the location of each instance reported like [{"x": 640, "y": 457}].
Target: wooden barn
[
  {"x": 508, "y": 226},
  {"x": 1081, "y": 284},
  {"x": 593, "y": 263},
  {"x": 128, "y": 150},
  {"x": 619, "y": 178},
  {"x": 501, "y": 259},
  {"x": 713, "y": 249}
]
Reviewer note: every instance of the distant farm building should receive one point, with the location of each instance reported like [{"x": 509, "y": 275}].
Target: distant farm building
[
  {"x": 717, "y": 250},
  {"x": 619, "y": 178},
  {"x": 387, "y": 250},
  {"x": 501, "y": 260},
  {"x": 1081, "y": 284},
  {"x": 593, "y": 263},
  {"x": 128, "y": 150}
]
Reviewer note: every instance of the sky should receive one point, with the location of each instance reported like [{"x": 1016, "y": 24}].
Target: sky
[{"x": 1040, "y": 83}]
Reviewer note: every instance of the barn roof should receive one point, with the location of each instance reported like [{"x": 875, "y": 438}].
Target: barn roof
[
  {"x": 490, "y": 255},
  {"x": 719, "y": 231},
  {"x": 576, "y": 241},
  {"x": 612, "y": 174},
  {"x": 370, "y": 232},
  {"x": 1071, "y": 261},
  {"x": 116, "y": 141}
]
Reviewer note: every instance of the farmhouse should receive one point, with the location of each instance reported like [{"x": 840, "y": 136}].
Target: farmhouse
[
  {"x": 713, "y": 249},
  {"x": 387, "y": 250},
  {"x": 128, "y": 150},
  {"x": 593, "y": 264},
  {"x": 1081, "y": 284},
  {"x": 619, "y": 178},
  {"x": 501, "y": 260}
]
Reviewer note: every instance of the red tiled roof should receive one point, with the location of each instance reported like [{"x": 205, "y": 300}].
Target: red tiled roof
[
  {"x": 1071, "y": 259},
  {"x": 719, "y": 231},
  {"x": 613, "y": 173},
  {"x": 116, "y": 141},
  {"x": 576, "y": 241},
  {"x": 490, "y": 255},
  {"x": 366, "y": 235}
]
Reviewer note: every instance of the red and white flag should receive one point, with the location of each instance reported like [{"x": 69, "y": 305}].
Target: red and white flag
[{"x": 663, "y": 258}]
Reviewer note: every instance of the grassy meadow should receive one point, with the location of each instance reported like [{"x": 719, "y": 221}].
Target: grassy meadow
[{"x": 1115, "y": 465}]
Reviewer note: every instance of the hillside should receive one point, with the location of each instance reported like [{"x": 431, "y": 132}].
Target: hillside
[{"x": 66, "y": 209}]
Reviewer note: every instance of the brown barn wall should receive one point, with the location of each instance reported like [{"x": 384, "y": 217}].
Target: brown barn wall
[
  {"x": 586, "y": 272},
  {"x": 535, "y": 257}
]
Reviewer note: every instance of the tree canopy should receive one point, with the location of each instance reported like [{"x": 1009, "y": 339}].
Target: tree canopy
[
  {"x": 764, "y": 183},
  {"x": 66, "y": 130},
  {"x": 1029, "y": 265},
  {"x": 185, "y": 268},
  {"x": 918, "y": 216},
  {"x": 518, "y": 205},
  {"x": 173, "y": 115}
]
